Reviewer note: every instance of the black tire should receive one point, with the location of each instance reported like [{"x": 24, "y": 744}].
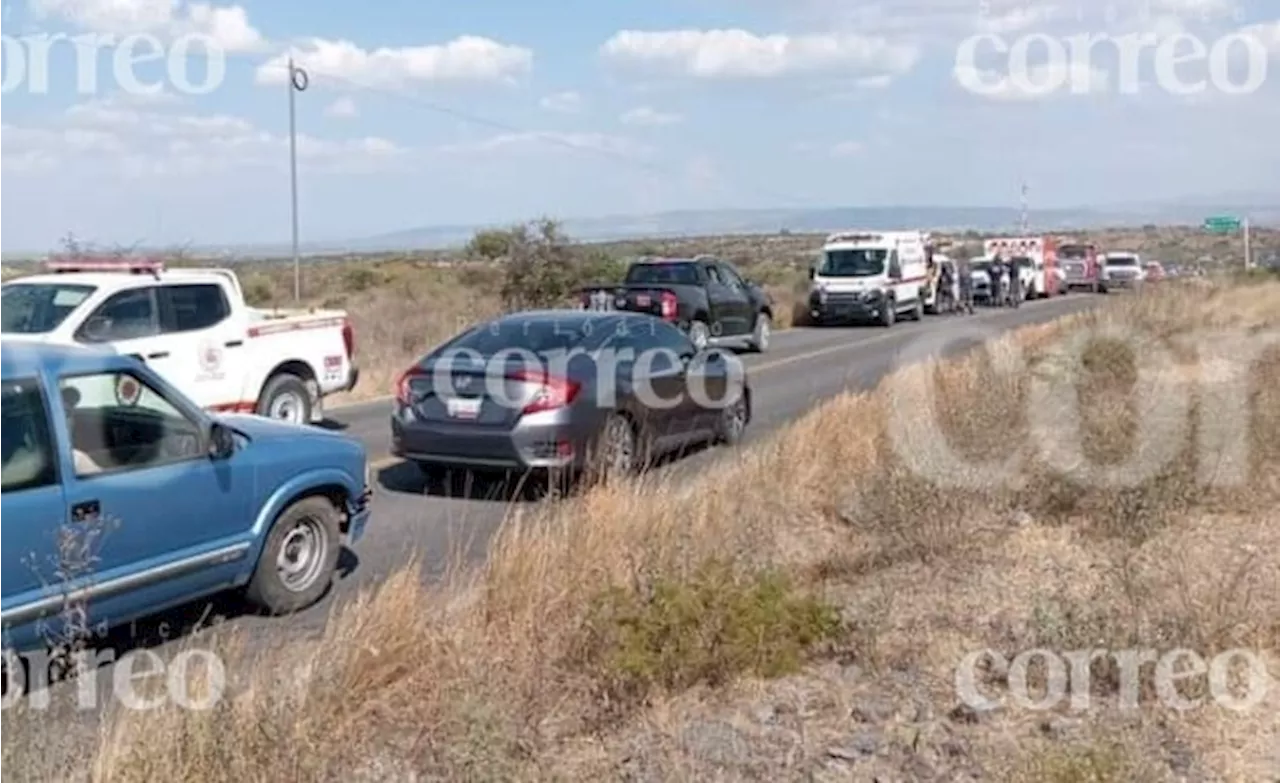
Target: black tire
[
  {"x": 311, "y": 522},
  {"x": 616, "y": 452},
  {"x": 285, "y": 393},
  {"x": 889, "y": 314},
  {"x": 917, "y": 312},
  {"x": 732, "y": 422},
  {"x": 761, "y": 333}
]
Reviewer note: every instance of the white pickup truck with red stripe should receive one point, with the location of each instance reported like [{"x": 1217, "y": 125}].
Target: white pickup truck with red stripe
[{"x": 194, "y": 328}]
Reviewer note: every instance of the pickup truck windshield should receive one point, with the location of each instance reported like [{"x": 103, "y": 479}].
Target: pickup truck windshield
[
  {"x": 1122, "y": 261},
  {"x": 853, "y": 263},
  {"x": 682, "y": 273},
  {"x": 38, "y": 308}
]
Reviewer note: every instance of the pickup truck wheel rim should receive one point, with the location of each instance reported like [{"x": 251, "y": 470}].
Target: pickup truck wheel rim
[
  {"x": 762, "y": 332},
  {"x": 699, "y": 335},
  {"x": 301, "y": 555},
  {"x": 735, "y": 419},
  {"x": 287, "y": 406}
]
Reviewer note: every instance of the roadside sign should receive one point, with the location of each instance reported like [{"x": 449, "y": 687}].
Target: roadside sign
[{"x": 1222, "y": 224}]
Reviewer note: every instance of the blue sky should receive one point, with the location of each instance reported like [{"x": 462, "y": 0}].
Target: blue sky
[{"x": 427, "y": 112}]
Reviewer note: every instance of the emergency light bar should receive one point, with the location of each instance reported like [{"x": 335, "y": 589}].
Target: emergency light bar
[
  {"x": 854, "y": 238},
  {"x": 131, "y": 266}
]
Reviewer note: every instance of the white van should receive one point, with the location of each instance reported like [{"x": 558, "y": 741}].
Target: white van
[{"x": 870, "y": 276}]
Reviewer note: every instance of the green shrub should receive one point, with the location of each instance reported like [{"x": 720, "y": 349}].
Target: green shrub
[
  {"x": 359, "y": 279},
  {"x": 706, "y": 629}
]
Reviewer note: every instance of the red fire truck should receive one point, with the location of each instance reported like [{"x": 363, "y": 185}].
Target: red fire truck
[{"x": 1081, "y": 265}]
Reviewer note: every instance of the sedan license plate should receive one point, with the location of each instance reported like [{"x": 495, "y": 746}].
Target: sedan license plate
[
  {"x": 643, "y": 300},
  {"x": 465, "y": 408}
]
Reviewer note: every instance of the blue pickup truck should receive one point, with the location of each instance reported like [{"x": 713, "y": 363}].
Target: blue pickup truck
[{"x": 122, "y": 498}]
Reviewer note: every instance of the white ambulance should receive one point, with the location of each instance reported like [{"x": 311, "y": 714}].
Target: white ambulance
[
  {"x": 1037, "y": 261},
  {"x": 874, "y": 276}
]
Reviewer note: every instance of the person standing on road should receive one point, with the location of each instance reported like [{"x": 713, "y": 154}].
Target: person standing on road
[
  {"x": 964, "y": 278},
  {"x": 997, "y": 280},
  {"x": 947, "y": 287},
  {"x": 1015, "y": 283}
]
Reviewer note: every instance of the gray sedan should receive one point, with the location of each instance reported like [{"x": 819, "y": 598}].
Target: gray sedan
[{"x": 566, "y": 392}]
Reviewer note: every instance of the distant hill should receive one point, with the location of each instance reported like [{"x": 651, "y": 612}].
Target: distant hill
[{"x": 1263, "y": 209}]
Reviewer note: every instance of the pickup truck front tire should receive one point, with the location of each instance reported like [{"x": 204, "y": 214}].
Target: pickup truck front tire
[
  {"x": 285, "y": 397},
  {"x": 299, "y": 558}
]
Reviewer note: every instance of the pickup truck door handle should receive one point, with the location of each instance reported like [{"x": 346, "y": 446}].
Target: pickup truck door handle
[
  {"x": 87, "y": 511},
  {"x": 158, "y": 355},
  {"x": 234, "y": 343}
]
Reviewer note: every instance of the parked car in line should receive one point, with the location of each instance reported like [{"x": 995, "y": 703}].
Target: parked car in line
[
  {"x": 193, "y": 327},
  {"x": 1082, "y": 266},
  {"x": 101, "y": 453},
  {"x": 1122, "y": 270},
  {"x": 570, "y": 393},
  {"x": 707, "y": 298},
  {"x": 1153, "y": 272}
]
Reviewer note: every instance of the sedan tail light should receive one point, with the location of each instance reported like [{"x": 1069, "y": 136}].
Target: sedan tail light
[
  {"x": 670, "y": 306},
  {"x": 404, "y": 389},
  {"x": 552, "y": 392}
]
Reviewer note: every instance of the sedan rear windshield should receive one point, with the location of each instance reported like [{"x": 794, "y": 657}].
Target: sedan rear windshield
[
  {"x": 39, "y": 308},
  {"x": 541, "y": 337}
]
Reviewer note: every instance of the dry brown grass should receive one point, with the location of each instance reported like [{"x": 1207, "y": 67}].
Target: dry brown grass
[{"x": 492, "y": 676}]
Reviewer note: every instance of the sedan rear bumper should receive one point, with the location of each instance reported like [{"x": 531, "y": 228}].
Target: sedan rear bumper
[{"x": 543, "y": 441}]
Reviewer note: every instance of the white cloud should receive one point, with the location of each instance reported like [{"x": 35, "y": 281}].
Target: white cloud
[
  {"x": 468, "y": 58},
  {"x": 568, "y": 102},
  {"x": 943, "y": 20},
  {"x": 343, "y": 107},
  {"x": 846, "y": 149},
  {"x": 1266, "y": 33},
  {"x": 647, "y": 115},
  {"x": 227, "y": 26},
  {"x": 875, "y": 82},
  {"x": 543, "y": 140},
  {"x": 729, "y": 54},
  {"x": 143, "y": 141},
  {"x": 1041, "y": 81}
]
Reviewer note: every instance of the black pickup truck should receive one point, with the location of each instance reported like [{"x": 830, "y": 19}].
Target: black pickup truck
[{"x": 706, "y": 297}]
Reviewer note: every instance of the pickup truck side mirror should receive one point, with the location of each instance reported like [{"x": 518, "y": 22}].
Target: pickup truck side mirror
[
  {"x": 813, "y": 272},
  {"x": 222, "y": 443}
]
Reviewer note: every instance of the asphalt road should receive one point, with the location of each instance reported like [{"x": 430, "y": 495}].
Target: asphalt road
[
  {"x": 802, "y": 368},
  {"x": 436, "y": 525}
]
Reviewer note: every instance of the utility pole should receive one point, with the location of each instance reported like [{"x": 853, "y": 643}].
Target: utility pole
[
  {"x": 1026, "y": 216},
  {"x": 297, "y": 83},
  {"x": 1248, "y": 246}
]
